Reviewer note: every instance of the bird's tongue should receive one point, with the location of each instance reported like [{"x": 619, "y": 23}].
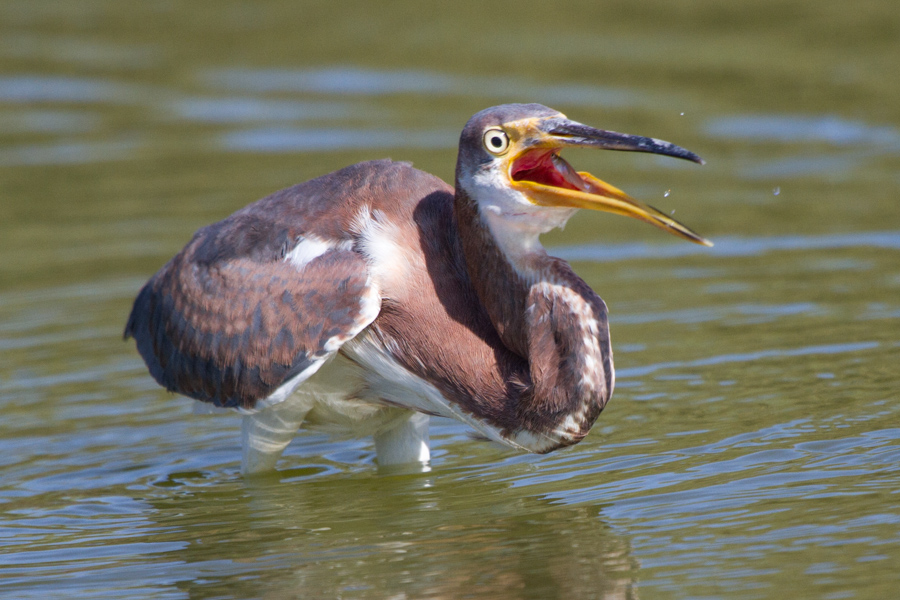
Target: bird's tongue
[{"x": 547, "y": 168}]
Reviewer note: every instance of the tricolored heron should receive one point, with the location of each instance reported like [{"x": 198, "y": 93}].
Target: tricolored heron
[{"x": 362, "y": 301}]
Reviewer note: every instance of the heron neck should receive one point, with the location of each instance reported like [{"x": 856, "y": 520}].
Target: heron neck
[
  {"x": 501, "y": 282},
  {"x": 550, "y": 317}
]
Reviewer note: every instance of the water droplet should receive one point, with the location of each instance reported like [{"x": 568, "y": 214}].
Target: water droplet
[
  {"x": 682, "y": 114},
  {"x": 672, "y": 213},
  {"x": 776, "y": 191},
  {"x": 666, "y": 195}
]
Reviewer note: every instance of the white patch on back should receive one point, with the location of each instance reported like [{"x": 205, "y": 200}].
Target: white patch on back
[
  {"x": 310, "y": 248},
  {"x": 390, "y": 259}
]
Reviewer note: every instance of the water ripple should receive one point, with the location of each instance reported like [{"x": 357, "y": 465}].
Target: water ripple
[
  {"x": 241, "y": 110},
  {"x": 369, "y": 82},
  {"x": 280, "y": 139},
  {"x": 758, "y": 312},
  {"x": 47, "y": 121},
  {"x": 37, "y": 88},
  {"x": 729, "y": 246},
  {"x": 748, "y": 357},
  {"x": 67, "y": 152},
  {"x": 803, "y": 129}
]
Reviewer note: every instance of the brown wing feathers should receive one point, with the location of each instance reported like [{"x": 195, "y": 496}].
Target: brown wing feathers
[{"x": 228, "y": 320}]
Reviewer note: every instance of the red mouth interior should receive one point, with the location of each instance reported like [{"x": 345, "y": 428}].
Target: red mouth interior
[{"x": 542, "y": 166}]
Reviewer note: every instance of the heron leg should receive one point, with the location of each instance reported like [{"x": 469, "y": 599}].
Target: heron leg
[
  {"x": 407, "y": 442},
  {"x": 265, "y": 435}
]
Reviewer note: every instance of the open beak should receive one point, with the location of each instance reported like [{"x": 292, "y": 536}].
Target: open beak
[{"x": 537, "y": 170}]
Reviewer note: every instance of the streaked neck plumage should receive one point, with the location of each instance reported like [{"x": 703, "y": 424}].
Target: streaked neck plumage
[{"x": 542, "y": 311}]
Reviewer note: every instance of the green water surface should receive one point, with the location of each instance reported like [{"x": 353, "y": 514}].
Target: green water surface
[{"x": 752, "y": 448}]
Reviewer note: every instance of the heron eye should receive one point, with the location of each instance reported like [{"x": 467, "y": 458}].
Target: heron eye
[{"x": 496, "y": 141}]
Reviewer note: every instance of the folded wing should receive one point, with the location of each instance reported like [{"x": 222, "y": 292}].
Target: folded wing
[{"x": 246, "y": 312}]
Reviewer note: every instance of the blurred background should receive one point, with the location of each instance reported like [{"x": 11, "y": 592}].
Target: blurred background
[{"x": 752, "y": 446}]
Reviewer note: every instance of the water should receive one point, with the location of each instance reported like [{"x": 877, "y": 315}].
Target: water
[{"x": 752, "y": 447}]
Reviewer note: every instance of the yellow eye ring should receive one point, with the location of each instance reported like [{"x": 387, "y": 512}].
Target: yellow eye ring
[{"x": 496, "y": 141}]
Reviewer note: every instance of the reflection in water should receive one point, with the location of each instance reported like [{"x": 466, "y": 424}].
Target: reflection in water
[{"x": 415, "y": 536}]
